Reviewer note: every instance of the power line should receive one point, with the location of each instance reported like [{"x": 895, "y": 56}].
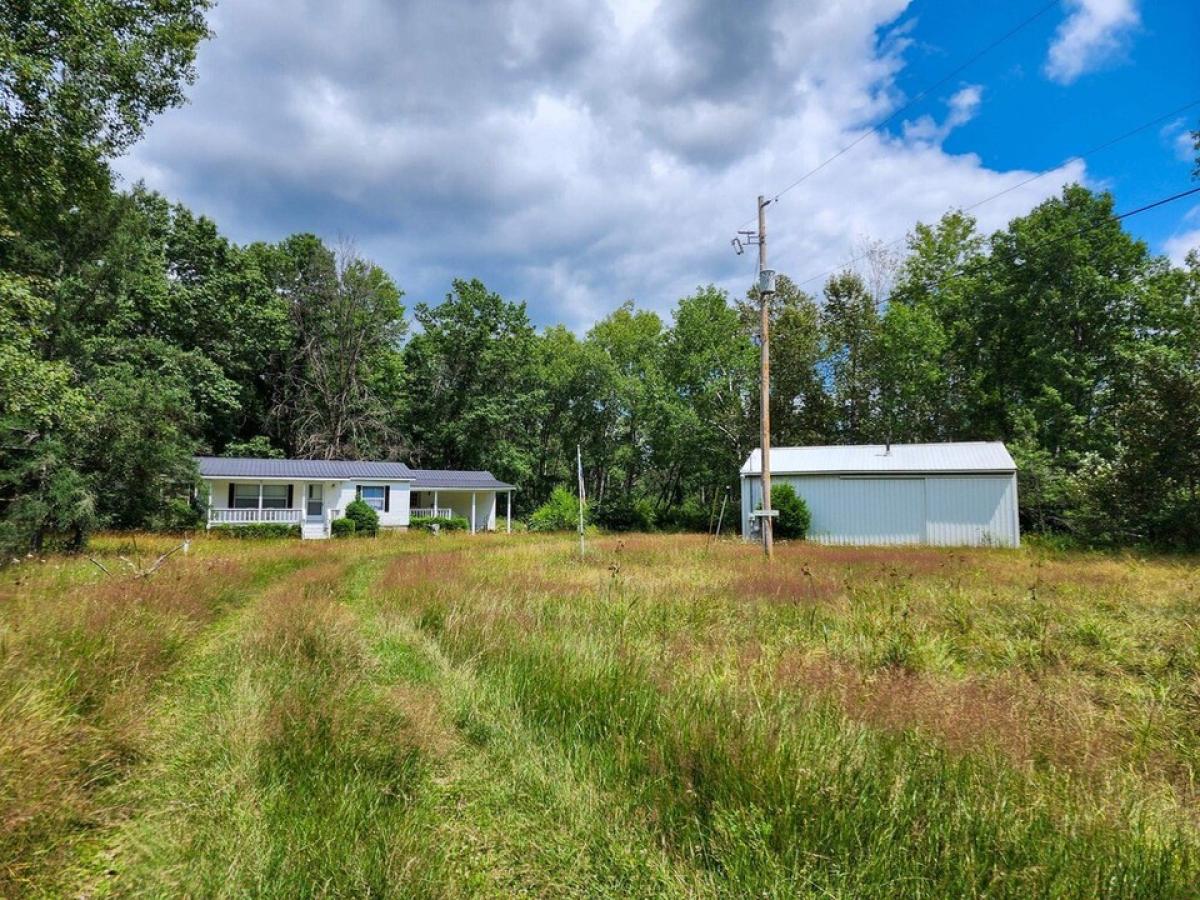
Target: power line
[
  {"x": 1008, "y": 190},
  {"x": 921, "y": 96},
  {"x": 1085, "y": 153},
  {"x": 1155, "y": 204},
  {"x": 1149, "y": 206},
  {"x": 1087, "y": 228}
]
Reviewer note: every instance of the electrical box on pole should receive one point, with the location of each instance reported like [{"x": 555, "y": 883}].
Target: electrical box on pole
[
  {"x": 765, "y": 284},
  {"x": 766, "y": 287}
]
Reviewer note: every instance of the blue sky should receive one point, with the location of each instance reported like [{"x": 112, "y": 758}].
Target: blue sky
[
  {"x": 1028, "y": 119},
  {"x": 577, "y": 153}
]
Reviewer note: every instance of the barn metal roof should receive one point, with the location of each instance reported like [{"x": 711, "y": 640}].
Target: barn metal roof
[
  {"x": 428, "y": 479},
  {"x": 965, "y": 457},
  {"x": 336, "y": 469}
]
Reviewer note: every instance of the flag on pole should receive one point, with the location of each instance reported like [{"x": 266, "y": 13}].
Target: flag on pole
[
  {"x": 579, "y": 463},
  {"x": 582, "y": 494}
]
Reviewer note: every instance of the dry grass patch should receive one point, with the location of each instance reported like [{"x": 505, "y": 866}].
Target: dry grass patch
[
  {"x": 797, "y": 583},
  {"x": 432, "y": 572},
  {"x": 1019, "y": 717}
]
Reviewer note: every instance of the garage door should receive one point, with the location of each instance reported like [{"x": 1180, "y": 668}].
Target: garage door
[{"x": 870, "y": 511}]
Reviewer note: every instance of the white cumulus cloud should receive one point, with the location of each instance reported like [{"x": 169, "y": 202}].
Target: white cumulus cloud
[
  {"x": 1093, "y": 34},
  {"x": 962, "y": 107},
  {"x": 1179, "y": 245},
  {"x": 570, "y": 153},
  {"x": 1185, "y": 145}
]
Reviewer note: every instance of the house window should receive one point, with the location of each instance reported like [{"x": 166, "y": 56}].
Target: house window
[
  {"x": 372, "y": 495},
  {"x": 274, "y": 496},
  {"x": 245, "y": 496}
]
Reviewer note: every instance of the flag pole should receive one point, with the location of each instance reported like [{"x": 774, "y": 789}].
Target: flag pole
[{"x": 582, "y": 495}]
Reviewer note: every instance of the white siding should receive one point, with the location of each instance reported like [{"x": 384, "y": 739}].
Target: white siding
[
  {"x": 398, "y": 502},
  {"x": 336, "y": 495},
  {"x": 935, "y": 509},
  {"x": 218, "y": 492},
  {"x": 401, "y": 503},
  {"x": 339, "y": 497}
]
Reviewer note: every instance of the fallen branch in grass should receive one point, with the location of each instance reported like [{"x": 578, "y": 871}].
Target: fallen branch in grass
[{"x": 136, "y": 570}]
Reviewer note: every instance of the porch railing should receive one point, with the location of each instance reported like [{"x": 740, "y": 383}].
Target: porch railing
[
  {"x": 430, "y": 512},
  {"x": 252, "y": 516}
]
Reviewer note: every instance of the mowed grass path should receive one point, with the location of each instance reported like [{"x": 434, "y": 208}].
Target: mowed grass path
[{"x": 490, "y": 716}]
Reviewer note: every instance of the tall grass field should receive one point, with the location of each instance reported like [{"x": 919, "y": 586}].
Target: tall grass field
[{"x": 458, "y": 716}]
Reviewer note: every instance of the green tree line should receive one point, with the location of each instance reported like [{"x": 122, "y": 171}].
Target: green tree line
[{"x": 133, "y": 334}]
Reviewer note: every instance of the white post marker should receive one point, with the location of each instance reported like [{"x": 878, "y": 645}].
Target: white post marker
[{"x": 721, "y": 517}]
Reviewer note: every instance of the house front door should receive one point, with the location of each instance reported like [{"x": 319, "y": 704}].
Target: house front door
[{"x": 315, "y": 505}]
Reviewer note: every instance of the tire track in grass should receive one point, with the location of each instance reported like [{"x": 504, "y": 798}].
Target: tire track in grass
[
  {"x": 505, "y": 813},
  {"x": 282, "y": 767},
  {"x": 89, "y": 659}
]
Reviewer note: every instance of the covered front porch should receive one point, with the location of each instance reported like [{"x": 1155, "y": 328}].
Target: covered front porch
[
  {"x": 310, "y": 505},
  {"x": 481, "y": 507}
]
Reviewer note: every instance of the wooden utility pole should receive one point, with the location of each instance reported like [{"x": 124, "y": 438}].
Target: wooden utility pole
[{"x": 765, "y": 375}]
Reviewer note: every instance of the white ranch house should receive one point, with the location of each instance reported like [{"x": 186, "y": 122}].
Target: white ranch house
[
  {"x": 312, "y": 493},
  {"x": 949, "y": 494}
]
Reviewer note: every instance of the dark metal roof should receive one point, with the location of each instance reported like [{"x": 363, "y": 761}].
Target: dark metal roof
[
  {"x": 427, "y": 479},
  {"x": 222, "y": 467}
]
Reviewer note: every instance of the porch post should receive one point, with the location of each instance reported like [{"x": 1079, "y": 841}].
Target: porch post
[
  {"x": 508, "y": 514},
  {"x": 472, "y": 512},
  {"x": 260, "y": 501},
  {"x": 435, "y": 505}
]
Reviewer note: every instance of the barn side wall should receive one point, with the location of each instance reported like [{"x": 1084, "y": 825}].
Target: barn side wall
[
  {"x": 972, "y": 511},
  {"x": 945, "y": 510}
]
